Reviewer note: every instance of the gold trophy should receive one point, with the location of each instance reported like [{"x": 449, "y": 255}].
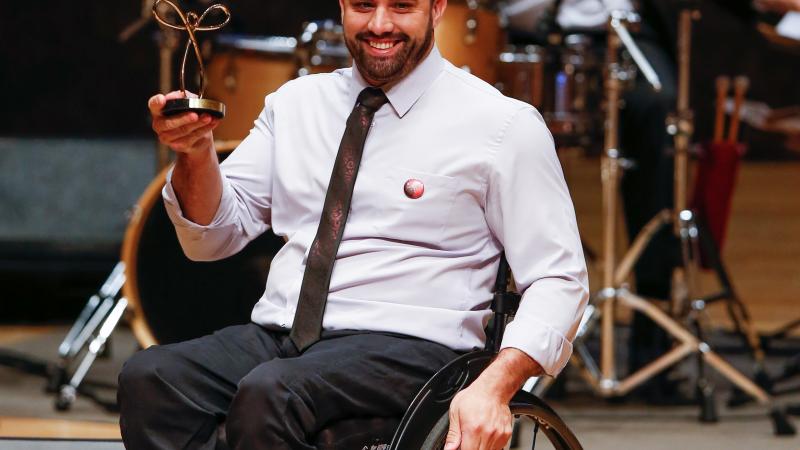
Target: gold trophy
[{"x": 192, "y": 23}]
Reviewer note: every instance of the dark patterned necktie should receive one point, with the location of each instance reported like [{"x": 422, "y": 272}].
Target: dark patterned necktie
[{"x": 307, "y": 324}]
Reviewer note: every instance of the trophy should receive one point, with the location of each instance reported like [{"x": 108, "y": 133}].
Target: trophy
[{"x": 192, "y": 23}]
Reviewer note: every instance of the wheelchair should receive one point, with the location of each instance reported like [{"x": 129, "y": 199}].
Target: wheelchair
[{"x": 426, "y": 422}]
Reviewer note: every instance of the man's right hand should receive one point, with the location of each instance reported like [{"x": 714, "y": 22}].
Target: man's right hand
[
  {"x": 777, "y": 6},
  {"x": 196, "y": 178},
  {"x": 187, "y": 133}
]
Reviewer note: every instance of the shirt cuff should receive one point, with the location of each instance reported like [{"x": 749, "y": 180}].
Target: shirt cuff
[
  {"x": 541, "y": 342},
  {"x": 221, "y": 218}
]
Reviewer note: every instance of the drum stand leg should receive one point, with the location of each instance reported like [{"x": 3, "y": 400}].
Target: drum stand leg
[
  {"x": 68, "y": 392},
  {"x": 96, "y": 314}
]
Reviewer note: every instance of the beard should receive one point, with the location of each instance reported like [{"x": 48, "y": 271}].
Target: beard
[{"x": 391, "y": 68}]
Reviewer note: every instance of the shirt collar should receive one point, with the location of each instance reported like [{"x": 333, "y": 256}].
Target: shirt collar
[{"x": 407, "y": 91}]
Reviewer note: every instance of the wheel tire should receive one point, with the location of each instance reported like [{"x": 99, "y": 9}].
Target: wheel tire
[{"x": 556, "y": 431}]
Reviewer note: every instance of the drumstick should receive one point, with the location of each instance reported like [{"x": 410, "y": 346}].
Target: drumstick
[
  {"x": 723, "y": 85},
  {"x": 740, "y": 85}
]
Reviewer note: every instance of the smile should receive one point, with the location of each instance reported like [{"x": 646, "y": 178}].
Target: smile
[{"x": 382, "y": 45}]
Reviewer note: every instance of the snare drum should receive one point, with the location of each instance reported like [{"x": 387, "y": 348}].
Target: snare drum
[
  {"x": 520, "y": 74},
  {"x": 244, "y": 69},
  {"x": 470, "y": 37},
  {"x": 174, "y": 299},
  {"x": 565, "y": 82}
]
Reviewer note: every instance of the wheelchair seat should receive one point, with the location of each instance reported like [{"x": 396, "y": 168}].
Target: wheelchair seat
[{"x": 373, "y": 433}]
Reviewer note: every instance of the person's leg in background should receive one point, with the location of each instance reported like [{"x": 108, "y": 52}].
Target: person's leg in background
[{"x": 647, "y": 188}]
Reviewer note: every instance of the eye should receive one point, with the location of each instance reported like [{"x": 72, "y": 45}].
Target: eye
[
  {"x": 403, "y": 6},
  {"x": 363, "y": 5}
]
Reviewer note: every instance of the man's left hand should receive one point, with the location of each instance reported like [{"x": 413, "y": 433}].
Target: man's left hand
[
  {"x": 479, "y": 415},
  {"x": 479, "y": 420}
]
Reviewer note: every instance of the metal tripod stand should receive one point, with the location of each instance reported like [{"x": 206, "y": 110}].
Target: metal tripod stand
[
  {"x": 90, "y": 332},
  {"x": 614, "y": 292}
]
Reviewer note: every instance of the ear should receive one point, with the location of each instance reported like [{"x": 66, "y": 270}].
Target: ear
[
  {"x": 437, "y": 10},
  {"x": 341, "y": 10}
]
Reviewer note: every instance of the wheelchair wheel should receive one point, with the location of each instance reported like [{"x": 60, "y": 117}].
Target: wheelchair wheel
[{"x": 535, "y": 427}]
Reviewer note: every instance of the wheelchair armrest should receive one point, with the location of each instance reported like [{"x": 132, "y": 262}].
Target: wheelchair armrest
[{"x": 506, "y": 303}]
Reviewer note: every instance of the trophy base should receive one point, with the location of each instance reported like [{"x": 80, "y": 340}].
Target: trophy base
[{"x": 199, "y": 105}]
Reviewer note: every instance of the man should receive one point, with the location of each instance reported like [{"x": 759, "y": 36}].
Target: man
[{"x": 451, "y": 174}]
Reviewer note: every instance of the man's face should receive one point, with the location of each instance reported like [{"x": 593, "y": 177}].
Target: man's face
[{"x": 388, "y": 38}]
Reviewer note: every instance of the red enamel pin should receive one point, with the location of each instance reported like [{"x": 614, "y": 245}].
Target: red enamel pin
[{"x": 414, "y": 188}]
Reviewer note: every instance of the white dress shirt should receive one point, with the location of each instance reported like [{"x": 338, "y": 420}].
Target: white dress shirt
[{"x": 421, "y": 267}]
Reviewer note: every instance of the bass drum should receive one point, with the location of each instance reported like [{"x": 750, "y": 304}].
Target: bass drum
[
  {"x": 174, "y": 299},
  {"x": 244, "y": 69}
]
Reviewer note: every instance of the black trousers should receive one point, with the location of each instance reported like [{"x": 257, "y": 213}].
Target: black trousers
[{"x": 269, "y": 397}]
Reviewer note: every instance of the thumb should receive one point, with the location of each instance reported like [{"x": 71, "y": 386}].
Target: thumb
[
  {"x": 155, "y": 103},
  {"x": 453, "y": 434}
]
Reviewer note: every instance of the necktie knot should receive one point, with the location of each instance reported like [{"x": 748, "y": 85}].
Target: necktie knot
[{"x": 372, "y": 98}]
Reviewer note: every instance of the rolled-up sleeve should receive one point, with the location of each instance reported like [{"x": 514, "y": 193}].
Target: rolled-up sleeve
[
  {"x": 529, "y": 210},
  {"x": 244, "y": 211}
]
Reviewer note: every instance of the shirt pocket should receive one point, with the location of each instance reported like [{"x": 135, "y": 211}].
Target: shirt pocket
[{"x": 394, "y": 215}]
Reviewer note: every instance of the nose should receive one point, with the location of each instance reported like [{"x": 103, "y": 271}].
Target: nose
[{"x": 381, "y": 22}]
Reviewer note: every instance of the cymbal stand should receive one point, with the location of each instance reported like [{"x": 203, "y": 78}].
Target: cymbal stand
[
  {"x": 603, "y": 376},
  {"x": 168, "y": 40},
  {"x": 167, "y": 44}
]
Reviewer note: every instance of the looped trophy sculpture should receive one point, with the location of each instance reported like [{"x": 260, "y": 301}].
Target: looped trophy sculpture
[{"x": 191, "y": 24}]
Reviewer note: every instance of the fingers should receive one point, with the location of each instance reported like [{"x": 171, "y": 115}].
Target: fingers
[
  {"x": 488, "y": 430},
  {"x": 453, "y": 440},
  {"x": 200, "y": 137},
  {"x": 181, "y": 126},
  {"x": 157, "y": 102}
]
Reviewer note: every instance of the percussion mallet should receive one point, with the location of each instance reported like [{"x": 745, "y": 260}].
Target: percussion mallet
[
  {"x": 740, "y": 85},
  {"x": 723, "y": 85}
]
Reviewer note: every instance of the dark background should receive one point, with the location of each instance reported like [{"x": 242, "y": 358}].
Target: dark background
[{"x": 65, "y": 74}]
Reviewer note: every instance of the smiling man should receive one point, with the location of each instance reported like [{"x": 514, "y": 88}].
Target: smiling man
[{"x": 397, "y": 184}]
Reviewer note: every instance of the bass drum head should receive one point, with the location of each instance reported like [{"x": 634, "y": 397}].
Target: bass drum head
[{"x": 175, "y": 299}]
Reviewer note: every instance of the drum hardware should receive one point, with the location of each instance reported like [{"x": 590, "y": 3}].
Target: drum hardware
[
  {"x": 168, "y": 40},
  {"x": 563, "y": 81},
  {"x": 91, "y": 332},
  {"x": 470, "y": 36},
  {"x": 471, "y": 24},
  {"x": 320, "y": 44},
  {"x": 167, "y": 45},
  {"x": 603, "y": 377}
]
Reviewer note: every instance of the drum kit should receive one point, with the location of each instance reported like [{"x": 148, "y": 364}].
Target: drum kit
[{"x": 567, "y": 79}]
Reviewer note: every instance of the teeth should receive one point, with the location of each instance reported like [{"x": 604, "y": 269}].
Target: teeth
[{"x": 382, "y": 45}]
